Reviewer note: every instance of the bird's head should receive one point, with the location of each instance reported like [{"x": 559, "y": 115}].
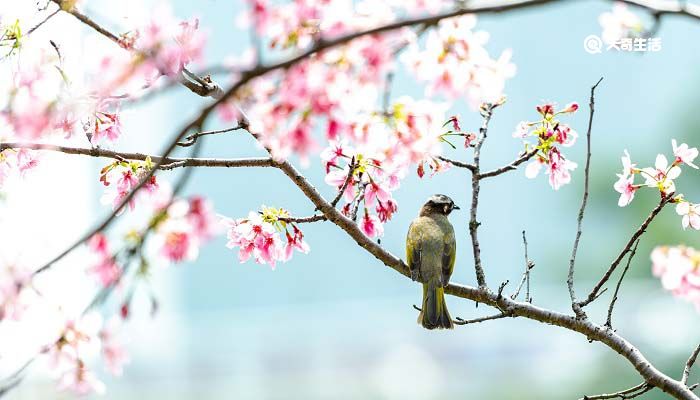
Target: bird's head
[{"x": 438, "y": 204}]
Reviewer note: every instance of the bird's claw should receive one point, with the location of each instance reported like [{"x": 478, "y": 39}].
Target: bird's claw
[{"x": 415, "y": 275}]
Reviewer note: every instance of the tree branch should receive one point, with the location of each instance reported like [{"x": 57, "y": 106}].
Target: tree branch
[
  {"x": 623, "y": 394},
  {"x": 594, "y": 292},
  {"x": 570, "y": 277},
  {"x": 486, "y": 112},
  {"x": 608, "y": 322},
  {"x": 459, "y": 164},
  {"x": 689, "y": 365},
  {"x": 526, "y": 275},
  {"x": 167, "y": 163},
  {"x": 510, "y": 167}
]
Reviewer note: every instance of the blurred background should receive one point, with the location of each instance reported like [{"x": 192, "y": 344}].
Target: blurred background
[{"x": 336, "y": 324}]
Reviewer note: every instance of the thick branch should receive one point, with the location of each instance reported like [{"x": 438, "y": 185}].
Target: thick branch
[{"x": 584, "y": 201}]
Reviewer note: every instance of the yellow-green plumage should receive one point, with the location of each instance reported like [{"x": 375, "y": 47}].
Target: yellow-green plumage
[{"x": 431, "y": 251}]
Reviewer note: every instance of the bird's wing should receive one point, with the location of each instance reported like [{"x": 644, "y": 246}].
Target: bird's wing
[
  {"x": 413, "y": 250},
  {"x": 449, "y": 254}
]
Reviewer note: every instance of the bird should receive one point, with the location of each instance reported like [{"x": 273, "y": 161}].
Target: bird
[{"x": 431, "y": 251}]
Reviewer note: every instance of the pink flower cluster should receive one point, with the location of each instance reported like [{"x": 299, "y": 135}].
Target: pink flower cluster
[
  {"x": 661, "y": 177},
  {"x": 78, "y": 337},
  {"x": 13, "y": 282},
  {"x": 126, "y": 175},
  {"x": 549, "y": 133},
  {"x": 104, "y": 265},
  {"x": 620, "y": 23},
  {"x": 183, "y": 228},
  {"x": 678, "y": 267},
  {"x": 16, "y": 163},
  {"x": 259, "y": 236},
  {"x": 456, "y": 63}
]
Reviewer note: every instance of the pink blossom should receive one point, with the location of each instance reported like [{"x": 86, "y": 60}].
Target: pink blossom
[
  {"x": 25, "y": 161},
  {"x": 570, "y": 108},
  {"x": 677, "y": 267},
  {"x": 662, "y": 175},
  {"x": 13, "y": 281},
  {"x": 179, "y": 246},
  {"x": 546, "y": 110},
  {"x": 559, "y": 169},
  {"x": 374, "y": 191},
  {"x": 628, "y": 168},
  {"x": 565, "y": 135},
  {"x": 620, "y": 23},
  {"x": 104, "y": 267},
  {"x": 201, "y": 215},
  {"x": 295, "y": 242},
  {"x": 625, "y": 186},
  {"x": 371, "y": 225},
  {"x": 113, "y": 352},
  {"x": 81, "y": 381},
  {"x": 684, "y": 154},
  {"x": 385, "y": 210},
  {"x": 690, "y": 213},
  {"x": 522, "y": 130}
]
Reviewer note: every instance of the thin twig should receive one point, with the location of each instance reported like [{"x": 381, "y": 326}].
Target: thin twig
[
  {"x": 570, "y": 277},
  {"x": 526, "y": 275},
  {"x": 304, "y": 220},
  {"x": 628, "y": 246},
  {"x": 348, "y": 179},
  {"x": 486, "y": 112},
  {"x": 459, "y": 164},
  {"x": 37, "y": 26},
  {"x": 623, "y": 394},
  {"x": 460, "y": 321},
  {"x": 191, "y": 139},
  {"x": 689, "y": 365},
  {"x": 510, "y": 167},
  {"x": 608, "y": 322}
]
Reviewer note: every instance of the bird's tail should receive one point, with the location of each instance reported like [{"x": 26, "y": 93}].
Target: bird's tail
[{"x": 434, "y": 312}]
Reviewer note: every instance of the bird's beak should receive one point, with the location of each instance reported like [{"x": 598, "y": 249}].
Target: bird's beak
[{"x": 455, "y": 207}]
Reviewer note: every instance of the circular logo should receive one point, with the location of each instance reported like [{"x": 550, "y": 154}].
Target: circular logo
[{"x": 593, "y": 44}]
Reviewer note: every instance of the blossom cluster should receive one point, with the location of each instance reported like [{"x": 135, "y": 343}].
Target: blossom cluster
[
  {"x": 16, "y": 162},
  {"x": 121, "y": 177},
  {"x": 661, "y": 177},
  {"x": 549, "y": 134},
  {"x": 455, "y": 62},
  {"x": 620, "y": 23},
  {"x": 678, "y": 267},
  {"x": 79, "y": 337},
  {"x": 260, "y": 236}
]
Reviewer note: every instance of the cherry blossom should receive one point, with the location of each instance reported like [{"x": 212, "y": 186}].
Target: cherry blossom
[
  {"x": 677, "y": 267},
  {"x": 690, "y": 213},
  {"x": 13, "y": 283},
  {"x": 81, "y": 381},
  {"x": 620, "y": 23},
  {"x": 371, "y": 225},
  {"x": 626, "y": 187},
  {"x": 126, "y": 175},
  {"x": 104, "y": 266},
  {"x": 258, "y": 236},
  {"x": 549, "y": 133},
  {"x": 684, "y": 154},
  {"x": 661, "y": 176}
]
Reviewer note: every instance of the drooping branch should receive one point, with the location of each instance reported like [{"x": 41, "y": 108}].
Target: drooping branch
[{"x": 587, "y": 172}]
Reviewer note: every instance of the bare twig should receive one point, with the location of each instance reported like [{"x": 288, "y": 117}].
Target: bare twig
[
  {"x": 623, "y": 394},
  {"x": 304, "y": 220},
  {"x": 570, "y": 277},
  {"x": 642, "y": 228},
  {"x": 689, "y": 365},
  {"x": 348, "y": 179},
  {"x": 608, "y": 322},
  {"x": 486, "y": 112},
  {"x": 460, "y": 321},
  {"x": 37, "y": 26},
  {"x": 526, "y": 275},
  {"x": 510, "y": 167},
  {"x": 192, "y": 139},
  {"x": 459, "y": 164}
]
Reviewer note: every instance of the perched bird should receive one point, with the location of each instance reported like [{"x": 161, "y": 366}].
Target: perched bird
[{"x": 430, "y": 251}]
